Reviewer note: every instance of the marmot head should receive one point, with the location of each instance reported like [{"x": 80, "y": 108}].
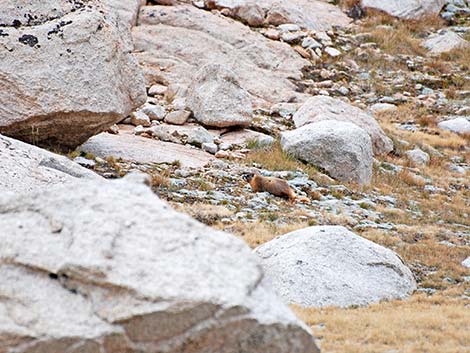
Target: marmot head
[{"x": 248, "y": 176}]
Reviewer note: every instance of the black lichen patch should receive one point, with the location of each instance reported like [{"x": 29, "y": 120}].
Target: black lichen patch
[
  {"x": 58, "y": 29},
  {"x": 16, "y": 23},
  {"x": 3, "y": 34},
  {"x": 28, "y": 39}
]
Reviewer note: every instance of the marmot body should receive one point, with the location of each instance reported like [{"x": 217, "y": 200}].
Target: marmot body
[{"x": 275, "y": 186}]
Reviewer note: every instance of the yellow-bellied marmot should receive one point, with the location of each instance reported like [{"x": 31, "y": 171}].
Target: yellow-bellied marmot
[{"x": 275, "y": 186}]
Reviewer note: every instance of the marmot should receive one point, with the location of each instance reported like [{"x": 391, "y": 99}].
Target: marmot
[{"x": 275, "y": 186}]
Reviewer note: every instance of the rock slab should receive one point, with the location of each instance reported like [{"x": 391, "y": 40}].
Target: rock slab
[
  {"x": 148, "y": 279},
  {"x": 319, "y": 108},
  {"x": 66, "y": 73},
  {"x": 407, "y": 9},
  {"x": 331, "y": 266},
  {"x": 343, "y": 149},
  {"x": 24, "y": 168}
]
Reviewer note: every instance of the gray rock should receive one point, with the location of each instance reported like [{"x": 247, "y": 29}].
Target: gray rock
[
  {"x": 177, "y": 117},
  {"x": 183, "y": 39},
  {"x": 418, "y": 157},
  {"x": 140, "y": 118},
  {"x": 212, "y": 148},
  {"x": 444, "y": 42},
  {"x": 143, "y": 282},
  {"x": 314, "y": 15},
  {"x": 331, "y": 266},
  {"x": 153, "y": 111},
  {"x": 343, "y": 149},
  {"x": 157, "y": 90},
  {"x": 311, "y": 43},
  {"x": 332, "y": 52},
  {"x": 51, "y": 92},
  {"x": 408, "y": 9},
  {"x": 466, "y": 262},
  {"x": 244, "y": 137},
  {"x": 320, "y": 108},
  {"x": 25, "y": 168},
  {"x": 192, "y": 134},
  {"x": 383, "y": 108},
  {"x": 217, "y": 99},
  {"x": 459, "y": 125},
  {"x": 144, "y": 150}
]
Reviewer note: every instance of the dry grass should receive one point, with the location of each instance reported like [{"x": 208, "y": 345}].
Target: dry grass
[
  {"x": 418, "y": 325},
  {"x": 204, "y": 213},
  {"x": 460, "y": 56}
]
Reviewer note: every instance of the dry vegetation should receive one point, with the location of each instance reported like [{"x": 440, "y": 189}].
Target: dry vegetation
[{"x": 421, "y": 324}]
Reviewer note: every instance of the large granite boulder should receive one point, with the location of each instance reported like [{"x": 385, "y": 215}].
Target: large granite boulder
[
  {"x": 66, "y": 71},
  {"x": 111, "y": 268},
  {"x": 314, "y": 15},
  {"x": 26, "y": 168},
  {"x": 343, "y": 149},
  {"x": 174, "y": 42},
  {"x": 407, "y": 9},
  {"x": 319, "y": 108},
  {"x": 457, "y": 124},
  {"x": 217, "y": 99},
  {"x": 331, "y": 266},
  {"x": 444, "y": 42}
]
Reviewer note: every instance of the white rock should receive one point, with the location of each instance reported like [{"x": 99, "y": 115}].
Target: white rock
[
  {"x": 310, "y": 14},
  {"x": 408, "y": 9},
  {"x": 343, "y": 149},
  {"x": 311, "y": 43},
  {"x": 320, "y": 108},
  {"x": 243, "y": 137},
  {"x": 154, "y": 111},
  {"x": 332, "y": 52},
  {"x": 217, "y": 99},
  {"x": 177, "y": 117},
  {"x": 331, "y": 266},
  {"x": 25, "y": 168},
  {"x": 444, "y": 42},
  {"x": 157, "y": 90},
  {"x": 466, "y": 262},
  {"x": 459, "y": 125},
  {"x": 67, "y": 72},
  {"x": 142, "y": 281},
  {"x": 182, "y": 39},
  {"x": 140, "y": 118},
  {"x": 212, "y": 148},
  {"x": 418, "y": 157},
  {"x": 383, "y": 108}
]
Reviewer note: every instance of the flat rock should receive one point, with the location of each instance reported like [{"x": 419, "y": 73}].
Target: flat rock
[
  {"x": 144, "y": 150},
  {"x": 418, "y": 157},
  {"x": 313, "y": 15},
  {"x": 243, "y": 137},
  {"x": 407, "y": 9},
  {"x": 319, "y": 108},
  {"x": 444, "y": 42},
  {"x": 123, "y": 272},
  {"x": 459, "y": 125},
  {"x": 26, "y": 168},
  {"x": 331, "y": 266},
  {"x": 174, "y": 42},
  {"x": 343, "y": 149},
  {"x": 217, "y": 99},
  {"x": 66, "y": 74}
]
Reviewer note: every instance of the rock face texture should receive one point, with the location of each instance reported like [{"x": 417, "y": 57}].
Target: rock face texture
[
  {"x": 174, "y": 42},
  {"x": 66, "y": 73},
  {"x": 217, "y": 99},
  {"x": 444, "y": 42},
  {"x": 343, "y": 149},
  {"x": 143, "y": 150},
  {"x": 408, "y": 9},
  {"x": 459, "y": 125},
  {"x": 319, "y": 108},
  {"x": 331, "y": 266},
  {"x": 153, "y": 280},
  {"x": 28, "y": 168},
  {"x": 314, "y": 15}
]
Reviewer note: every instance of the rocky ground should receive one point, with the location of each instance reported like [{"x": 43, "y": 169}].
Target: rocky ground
[{"x": 411, "y": 194}]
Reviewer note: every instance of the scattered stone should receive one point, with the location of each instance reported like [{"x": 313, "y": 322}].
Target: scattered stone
[
  {"x": 320, "y": 108},
  {"x": 309, "y": 42},
  {"x": 217, "y": 99},
  {"x": 332, "y": 52},
  {"x": 114, "y": 129},
  {"x": 212, "y": 148},
  {"x": 331, "y": 266},
  {"x": 154, "y": 111},
  {"x": 466, "y": 262},
  {"x": 459, "y": 125},
  {"x": 343, "y": 150},
  {"x": 125, "y": 285},
  {"x": 178, "y": 117},
  {"x": 140, "y": 118},
  {"x": 444, "y": 42},
  {"x": 418, "y": 157},
  {"x": 157, "y": 90},
  {"x": 245, "y": 137},
  {"x": 383, "y": 108}
]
